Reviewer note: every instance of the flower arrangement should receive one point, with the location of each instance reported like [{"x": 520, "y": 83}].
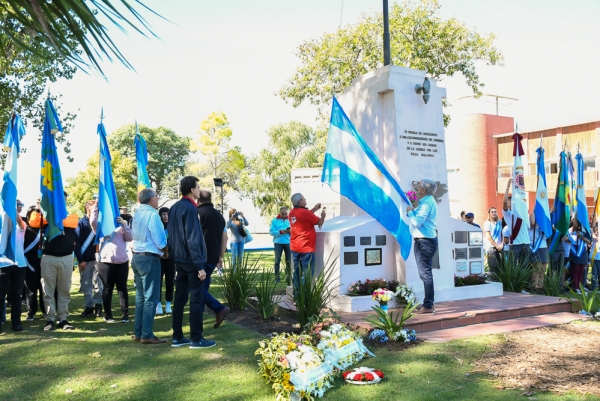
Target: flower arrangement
[
  {"x": 363, "y": 375},
  {"x": 401, "y": 336},
  {"x": 471, "y": 279},
  {"x": 368, "y": 286},
  {"x": 405, "y": 295},
  {"x": 382, "y": 295},
  {"x": 341, "y": 346},
  {"x": 285, "y": 358}
]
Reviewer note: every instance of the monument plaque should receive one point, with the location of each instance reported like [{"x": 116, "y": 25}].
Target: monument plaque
[
  {"x": 365, "y": 240},
  {"x": 350, "y": 258},
  {"x": 460, "y": 253},
  {"x": 475, "y": 253},
  {"x": 475, "y": 238},
  {"x": 349, "y": 241},
  {"x": 460, "y": 237},
  {"x": 372, "y": 256}
]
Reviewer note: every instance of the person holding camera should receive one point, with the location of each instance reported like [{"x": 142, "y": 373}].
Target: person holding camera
[{"x": 236, "y": 224}]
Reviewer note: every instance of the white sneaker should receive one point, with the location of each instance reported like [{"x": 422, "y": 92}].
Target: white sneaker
[
  {"x": 524, "y": 292},
  {"x": 168, "y": 308},
  {"x": 578, "y": 292},
  {"x": 159, "y": 310}
]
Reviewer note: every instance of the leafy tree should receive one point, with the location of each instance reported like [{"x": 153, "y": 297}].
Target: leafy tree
[
  {"x": 84, "y": 185},
  {"x": 220, "y": 159},
  {"x": 267, "y": 178},
  {"x": 420, "y": 39},
  {"x": 24, "y": 76},
  {"x": 167, "y": 153},
  {"x": 60, "y": 22}
]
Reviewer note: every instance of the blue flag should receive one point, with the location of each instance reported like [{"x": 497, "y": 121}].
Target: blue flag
[
  {"x": 352, "y": 169},
  {"x": 141, "y": 155},
  {"x": 581, "y": 208},
  {"x": 108, "y": 205},
  {"x": 8, "y": 201},
  {"x": 51, "y": 185},
  {"x": 541, "y": 210}
]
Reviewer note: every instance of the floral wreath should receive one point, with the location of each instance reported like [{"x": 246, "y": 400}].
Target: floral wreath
[{"x": 363, "y": 375}]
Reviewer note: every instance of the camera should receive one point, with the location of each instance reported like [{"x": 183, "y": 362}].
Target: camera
[{"x": 236, "y": 215}]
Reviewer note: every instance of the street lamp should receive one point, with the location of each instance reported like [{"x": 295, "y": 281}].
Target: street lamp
[{"x": 219, "y": 183}]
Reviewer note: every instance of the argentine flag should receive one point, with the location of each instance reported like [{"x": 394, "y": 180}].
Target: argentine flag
[
  {"x": 352, "y": 169},
  {"x": 581, "y": 207},
  {"x": 108, "y": 205},
  {"x": 541, "y": 209}
]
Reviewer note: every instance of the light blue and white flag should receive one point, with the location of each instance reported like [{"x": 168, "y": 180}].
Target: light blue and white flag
[
  {"x": 541, "y": 209},
  {"x": 108, "y": 205},
  {"x": 8, "y": 194},
  {"x": 352, "y": 169},
  {"x": 581, "y": 208}
]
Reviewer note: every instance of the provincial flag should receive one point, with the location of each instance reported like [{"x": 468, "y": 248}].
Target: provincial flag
[
  {"x": 581, "y": 207},
  {"x": 51, "y": 185},
  {"x": 519, "y": 208},
  {"x": 541, "y": 209},
  {"x": 8, "y": 194},
  {"x": 141, "y": 155},
  {"x": 562, "y": 209},
  {"x": 108, "y": 205},
  {"x": 352, "y": 169}
]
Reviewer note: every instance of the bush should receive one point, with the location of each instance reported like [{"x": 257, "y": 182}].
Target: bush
[
  {"x": 471, "y": 279},
  {"x": 513, "y": 274},
  {"x": 389, "y": 323},
  {"x": 314, "y": 292},
  {"x": 265, "y": 295},
  {"x": 238, "y": 280},
  {"x": 553, "y": 280},
  {"x": 586, "y": 302}
]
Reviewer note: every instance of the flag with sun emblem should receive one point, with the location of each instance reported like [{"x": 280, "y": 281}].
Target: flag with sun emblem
[
  {"x": 352, "y": 169},
  {"x": 51, "y": 186},
  {"x": 541, "y": 209}
]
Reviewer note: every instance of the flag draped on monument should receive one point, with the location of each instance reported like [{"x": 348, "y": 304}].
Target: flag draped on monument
[
  {"x": 519, "y": 196},
  {"x": 541, "y": 209},
  {"x": 51, "y": 186},
  {"x": 581, "y": 207},
  {"x": 8, "y": 195},
  {"x": 141, "y": 155},
  {"x": 108, "y": 205},
  {"x": 352, "y": 169}
]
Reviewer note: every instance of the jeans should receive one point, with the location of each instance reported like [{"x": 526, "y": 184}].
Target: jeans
[
  {"x": 187, "y": 282},
  {"x": 493, "y": 259},
  {"x": 595, "y": 274},
  {"x": 167, "y": 270},
  {"x": 91, "y": 285},
  {"x": 114, "y": 274},
  {"x": 302, "y": 261},
  {"x": 521, "y": 252},
  {"x": 146, "y": 273},
  {"x": 237, "y": 251},
  {"x": 279, "y": 249},
  {"x": 210, "y": 301},
  {"x": 12, "y": 278},
  {"x": 424, "y": 251}
]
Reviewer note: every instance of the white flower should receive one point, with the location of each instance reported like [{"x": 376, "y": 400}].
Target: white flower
[{"x": 334, "y": 328}]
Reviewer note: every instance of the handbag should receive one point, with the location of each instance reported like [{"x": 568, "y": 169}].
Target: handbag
[
  {"x": 248, "y": 236},
  {"x": 242, "y": 231}
]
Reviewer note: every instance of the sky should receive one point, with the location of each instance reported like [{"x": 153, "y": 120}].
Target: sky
[{"x": 234, "y": 56}]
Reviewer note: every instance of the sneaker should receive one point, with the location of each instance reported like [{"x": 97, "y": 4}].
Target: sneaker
[
  {"x": 168, "y": 308},
  {"x": 98, "y": 308},
  {"x": 17, "y": 327},
  {"x": 87, "y": 312},
  {"x": 524, "y": 292},
  {"x": 49, "y": 325},
  {"x": 125, "y": 319},
  {"x": 425, "y": 311},
  {"x": 578, "y": 291},
  {"x": 178, "y": 343},
  {"x": 29, "y": 317},
  {"x": 64, "y": 324},
  {"x": 159, "y": 310},
  {"x": 109, "y": 319},
  {"x": 203, "y": 343}
]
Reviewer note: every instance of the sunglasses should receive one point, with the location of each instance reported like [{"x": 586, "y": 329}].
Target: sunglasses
[{"x": 20, "y": 204}]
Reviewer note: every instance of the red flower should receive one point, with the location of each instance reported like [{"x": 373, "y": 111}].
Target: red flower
[
  {"x": 379, "y": 373},
  {"x": 369, "y": 377},
  {"x": 345, "y": 374},
  {"x": 358, "y": 377}
]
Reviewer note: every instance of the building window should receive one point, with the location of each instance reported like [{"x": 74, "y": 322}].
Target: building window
[
  {"x": 504, "y": 171},
  {"x": 589, "y": 163}
]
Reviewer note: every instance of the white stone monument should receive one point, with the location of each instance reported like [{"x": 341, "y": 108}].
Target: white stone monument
[{"x": 408, "y": 136}]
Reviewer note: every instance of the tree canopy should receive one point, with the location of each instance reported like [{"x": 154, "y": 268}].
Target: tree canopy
[
  {"x": 267, "y": 178},
  {"x": 419, "y": 39},
  {"x": 167, "y": 153}
]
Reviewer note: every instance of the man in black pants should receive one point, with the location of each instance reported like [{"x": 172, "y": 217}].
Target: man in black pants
[
  {"x": 186, "y": 245},
  {"x": 167, "y": 270},
  {"x": 215, "y": 238}
]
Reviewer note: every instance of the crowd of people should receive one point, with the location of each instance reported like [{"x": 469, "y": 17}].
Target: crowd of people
[{"x": 573, "y": 256}]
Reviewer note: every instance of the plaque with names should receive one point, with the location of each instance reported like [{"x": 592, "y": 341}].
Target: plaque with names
[
  {"x": 460, "y": 237},
  {"x": 380, "y": 240},
  {"x": 460, "y": 253},
  {"x": 476, "y": 268},
  {"x": 365, "y": 240},
  {"x": 350, "y": 258},
  {"x": 349, "y": 241},
  {"x": 475, "y": 252}
]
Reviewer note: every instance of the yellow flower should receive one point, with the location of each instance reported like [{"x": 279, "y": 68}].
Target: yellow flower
[
  {"x": 286, "y": 377},
  {"x": 47, "y": 174},
  {"x": 291, "y": 346}
]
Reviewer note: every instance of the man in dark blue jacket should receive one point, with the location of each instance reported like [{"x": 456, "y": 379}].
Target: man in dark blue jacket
[{"x": 188, "y": 250}]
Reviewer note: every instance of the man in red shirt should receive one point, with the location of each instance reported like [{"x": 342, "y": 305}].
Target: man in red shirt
[{"x": 303, "y": 236}]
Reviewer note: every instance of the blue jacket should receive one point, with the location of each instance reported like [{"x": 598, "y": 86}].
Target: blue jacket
[
  {"x": 279, "y": 224},
  {"x": 186, "y": 242}
]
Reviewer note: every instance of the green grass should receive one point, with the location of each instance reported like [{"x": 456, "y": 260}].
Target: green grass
[{"x": 99, "y": 361}]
